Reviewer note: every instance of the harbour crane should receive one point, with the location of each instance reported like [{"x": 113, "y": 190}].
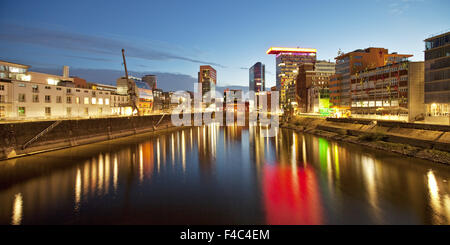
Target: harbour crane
[{"x": 131, "y": 87}]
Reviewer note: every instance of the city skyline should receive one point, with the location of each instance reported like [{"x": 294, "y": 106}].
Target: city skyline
[{"x": 157, "y": 43}]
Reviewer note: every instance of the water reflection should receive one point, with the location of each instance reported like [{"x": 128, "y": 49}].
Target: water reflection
[
  {"x": 17, "y": 209},
  {"x": 222, "y": 175}
]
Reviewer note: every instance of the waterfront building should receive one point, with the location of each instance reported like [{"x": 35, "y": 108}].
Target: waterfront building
[
  {"x": 318, "y": 96},
  {"x": 143, "y": 91},
  {"x": 257, "y": 78},
  {"x": 207, "y": 80},
  {"x": 437, "y": 78},
  {"x": 288, "y": 61},
  {"x": 150, "y": 80},
  {"x": 311, "y": 92},
  {"x": 28, "y": 95},
  {"x": 351, "y": 63},
  {"x": 391, "y": 92}
]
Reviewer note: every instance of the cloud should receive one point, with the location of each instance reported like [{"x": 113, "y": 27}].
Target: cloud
[
  {"x": 86, "y": 43},
  {"x": 398, "y": 7},
  {"x": 165, "y": 80}
]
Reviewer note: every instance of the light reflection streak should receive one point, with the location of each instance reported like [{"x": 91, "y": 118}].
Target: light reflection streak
[
  {"x": 17, "y": 209},
  {"x": 439, "y": 204},
  {"x": 369, "y": 171},
  {"x": 305, "y": 161},
  {"x": 100, "y": 174},
  {"x": 115, "y": 173},
  {"x": 183, "y": 152},
  {"x": 173, "y": 149},
  {"x": 336, "y": 162},
  {"x": 107, "y": 172},
  {"x": 158, "y": 154},
  {"x": 77, "y": 190},
  {"x": 141, "y": 164}
]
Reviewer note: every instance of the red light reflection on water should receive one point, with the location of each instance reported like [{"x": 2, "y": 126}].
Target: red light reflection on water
[{"x": 291, "y": 196}]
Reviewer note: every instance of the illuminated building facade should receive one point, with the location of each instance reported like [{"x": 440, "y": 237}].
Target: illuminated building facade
[
  {"x": 437, "y": 78},
  {"x": 287, "y": 62},
  {"x": 207, "y": 79},
  {"x": 318, "y": 93},
  {"x": 22, "y": 97},
  {"x": 143, "y": 91},
  {"x": 257, "y": 78},
  {"x": 351, "y": 63},
  {"x": 392, "y": 92}
]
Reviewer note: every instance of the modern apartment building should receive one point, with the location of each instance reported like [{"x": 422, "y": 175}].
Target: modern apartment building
[
  {"x": 207, "y": 80},
  {"x": 351, "y": 63},
  {"x": 312, "y": 86},
  {"x": 257, "y": 78},
  {"x": 287, "y": 62},
  {"x": 437, "y": 78},
  {"x": 22, "y": 97},
  {"x": 390, "y": 92}
]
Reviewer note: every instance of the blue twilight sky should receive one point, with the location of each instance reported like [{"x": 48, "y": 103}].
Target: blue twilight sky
[{"x": 177, "y": 36}]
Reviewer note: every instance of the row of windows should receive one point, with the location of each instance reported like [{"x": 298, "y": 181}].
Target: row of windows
[
  {"x": 35, "y": 88},
  {"x": 48, "y": 99},
  {"x": 21, "y": 111},
  {"x": 437, "y": 75}
]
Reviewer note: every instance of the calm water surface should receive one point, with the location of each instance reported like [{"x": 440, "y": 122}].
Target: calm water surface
[{"x": 223, "y": 175}]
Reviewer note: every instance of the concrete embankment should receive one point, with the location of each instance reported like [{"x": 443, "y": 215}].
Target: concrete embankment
[
  {"x": 431, "y": 142},
  {"x": 68, "y": 133}
]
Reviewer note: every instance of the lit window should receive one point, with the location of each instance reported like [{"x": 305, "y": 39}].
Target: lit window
[
  {"x": 100, "y": 101},
  {"x": 77, "y": 100},
  {"x": 86, "y": 100},
  {"x": 52, "y": 81},
  {"x": 21, "y": 111},
  {"x": 94, "y": 101},
  {"x": 106, "y": 101}
]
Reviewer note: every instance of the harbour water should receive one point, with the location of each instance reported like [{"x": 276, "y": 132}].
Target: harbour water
[{"x": 223, "y": 175}]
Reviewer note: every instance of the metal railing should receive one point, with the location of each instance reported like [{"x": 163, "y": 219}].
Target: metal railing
[{"x": 48, "y": 129}]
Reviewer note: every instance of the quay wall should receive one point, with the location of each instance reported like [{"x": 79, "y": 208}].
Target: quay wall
[
  {"x": 68, "y": 133},
  {"x": 431, "y": 142}
]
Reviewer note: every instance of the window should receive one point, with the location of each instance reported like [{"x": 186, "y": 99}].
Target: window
[
  {"x": 48, "y": 87},
  {"x": 106, "y": 101},
  {"x": 69, "y": 100},
  {"x": 100, "y": 111},
  {"x": 86, "y": 100},
  {"x": 21, "y": 97},
  {"x": 35, "y": 88},
  {"x": 2, "y": 87},
  {"x": 35, "y": 98},
  {"x": 2, "y": 98},
  {"x": 77, "y": 90},
  {"x": 48, "y": 99},
  {"x": 94, "y": 101},
  {"x": 21, "y": 111},
  {"x": 77, "y": 100},
  {"x": 69, "y": 111},
  {"x": 22, "y": 85},
  {"x": 58, "y": 99},
  {"x": 58, "y": 88},
  {"x": 100, "y": 101},
  {"x": 86, "y": 111},
  {"x": 68, "y": 91},
  {"x": 93, "y": 93},
  {"x": 2, "y": 111},
  {"x": 48, "y": 111}
]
